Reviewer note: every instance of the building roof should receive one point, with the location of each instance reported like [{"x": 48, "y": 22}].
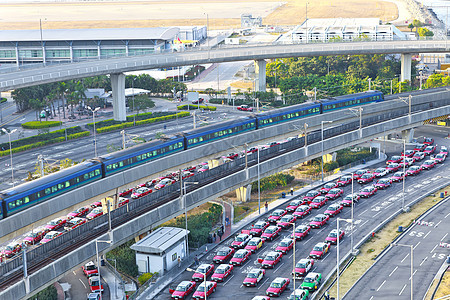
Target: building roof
[
  {"x": 160, "y": 240},
  {"x": 341, "y": 22},
  {"x": 156, "y": 33}
]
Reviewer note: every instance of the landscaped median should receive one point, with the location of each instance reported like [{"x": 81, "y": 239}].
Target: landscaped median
[
  {"x": 193, "y": 106},
  {"x": 142, "y": 119},
  {"x": 39, "y": 140},
  {"x": 40, "y": 124}
]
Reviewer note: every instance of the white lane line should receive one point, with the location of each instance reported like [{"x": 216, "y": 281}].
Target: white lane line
[
  {"x": 228, "y": 280},
  {"x": 447, "y": 216},
  {"x": 381, "y": 285},
  {"x": 412, "y": 274},
  {"x": 444, "y": 236},
  {"x": 424, "y": 260},
  {"x": 278, "y": 268},
  {"x": 321, "y": 230},
  {"x": 405, "y": 258},
  {"x": 263, "y": 283},
  {"x": 326, "y": 256},
  {"x": 377, "y": 213},
  {"x": 82, "y": 282},
  {"x": 427, "y": 234},
  {"x": 416, "y": 245},
  {"x": 437, "y": 224},
  {"x": 402, "y": 290},
  {"x": 74, "y": 273},
  {"x": 362, "y": 224},
  {"x": 395, "y": 269},
  {"x": 371, "y": 298},
  {"x": 362, "y": 212},
  {"x": 433, "y": 248}
]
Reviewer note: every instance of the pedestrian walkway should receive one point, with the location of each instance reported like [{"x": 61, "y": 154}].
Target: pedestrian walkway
[
  {"x": 168, "y": 278},
  {"x": 114, "y": 283}
]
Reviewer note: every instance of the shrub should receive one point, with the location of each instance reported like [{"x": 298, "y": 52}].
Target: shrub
[
  {"x": 49, "y": 293},
  {"x": 126, "y": 259},
  {"x": 273, "y": 181},
  {"x": 193, "y": 106},
  {"x": 144, "y": 278},
  {"x": 3, "y": 100},
  {"x": 39, "y": 124},
  {"x": 131, "y": 118},
  {"x": 346, "y": 156}
]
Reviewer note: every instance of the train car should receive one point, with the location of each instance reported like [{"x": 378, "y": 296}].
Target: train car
[
  {"x": 31, "y": 193},
  {"x": 287, "y": 114},
  {"x": 214, "y": 132},
  {"x": 347, "y": 101},
  {"x": 125, "y": 159}
]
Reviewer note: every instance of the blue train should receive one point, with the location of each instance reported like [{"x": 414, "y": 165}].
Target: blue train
[{"x": 19, "y": 198}]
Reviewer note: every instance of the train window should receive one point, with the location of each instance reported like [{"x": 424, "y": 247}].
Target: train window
[
  {"x": 19, "y": 202},
  {"x": 67, "y": 183},
  {"x": 86, "y": 176},
  {"x": 55, "y": 188},
  {"x": 26, "y": 199},
  {"x": 11, "y": 205},
  {"x": 60, "y": 186},
  {"x": 48, "y": 191}
]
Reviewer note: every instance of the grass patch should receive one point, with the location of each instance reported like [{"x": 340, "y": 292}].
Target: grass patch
[
  {"x": 444, "y": 287},
  {"x": 382, "y": 239}
]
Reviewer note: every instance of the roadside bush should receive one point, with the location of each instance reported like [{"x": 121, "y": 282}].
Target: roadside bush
[
  {"x": 3, "y": 100},
  {"x": 273, "y": 181},
  {"x": 193, "y": 106},
  {"x": 49, "y": 293},
  {"x": 131, "y": 118},
  {"x": 39, "y": 125},
  {"x": 142, "y": 122},
  {"x": 144, "y": 278},
  {"x": 346, "y": 156},
  {"x": 126, "y": 259},
  {"x": 330, "y": 166}
]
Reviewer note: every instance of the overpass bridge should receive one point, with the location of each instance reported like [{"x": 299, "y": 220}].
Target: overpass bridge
[
  {"x": 115, "y": 67},
  {"x": 49, "y": 262}
]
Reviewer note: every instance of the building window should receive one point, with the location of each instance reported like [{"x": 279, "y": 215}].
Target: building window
[
  {"x": 85, "y": 52},
  {"x": 112, "y": 52},
  {"x": 7, "y": 53},
  {"x": 30, "y": 53},
  {"x": 57, "y": 53}
]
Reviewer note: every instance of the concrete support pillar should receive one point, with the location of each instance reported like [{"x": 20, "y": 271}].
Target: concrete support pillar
[
  {"x": 243, "y": 193},
  {"x": 213, "y": 163},
  {"x": 118, "y": 93},
  {"x": 406, "y": 67},
  {"x": 260, "y": 69},
  {"x": 408, "y": 135}
]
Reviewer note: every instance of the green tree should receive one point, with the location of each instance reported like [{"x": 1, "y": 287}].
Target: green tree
[
  {"x": 411, "y": 26},
  {"x": 424, "y": 32},
  {"x": 416, "y": 24}
]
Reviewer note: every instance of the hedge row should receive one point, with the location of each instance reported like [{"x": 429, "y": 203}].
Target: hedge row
[
  {"x": 40, "y": 125},
  {"x": 192, "y": 106},
  {"x": 132, "y": 118},
  {"x": 142, "y": 122},
  {"x": 3, "y": 100},
  {"x": 273, "y": 181},
  {"x": 42, "y": 137},
  {"x": 47, "y": 142}
]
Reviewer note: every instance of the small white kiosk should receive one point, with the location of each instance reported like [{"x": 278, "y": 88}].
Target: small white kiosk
[{"x": 159, "y": 251}]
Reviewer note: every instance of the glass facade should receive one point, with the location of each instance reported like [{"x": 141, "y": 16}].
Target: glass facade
[
  {"x": 57, "y": 53},
  {"x": 30, "y": 53},
  {"x": 112, "y": 52},
  {"x": 7, "y": 53},
  {"x": 85, "y": 53}
]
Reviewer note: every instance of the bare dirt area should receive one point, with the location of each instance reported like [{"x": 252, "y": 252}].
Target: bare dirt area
[{"x": 221, "y": 14}]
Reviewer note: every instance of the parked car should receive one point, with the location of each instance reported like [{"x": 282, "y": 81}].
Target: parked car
[
  {"x": 259, "y": 227},
  {"x": 50, "y": 236},
  {"x": 398, "y": 176},
  {"x": 327, "y": 187},
  {"x": 413, "y": 170},
  {"x": 318, "y": 202},
  {"x": 301, "y": 232},
  {"x": 254, "y": 244},
  {"x": 310, "y": 196},
  {"x": 319, "y": 220},
  {"x": 393, "y": 167},
  {"x": 311, "y": 281},
  {"x": 244, "y": 108},
  {"x": 302, "y": 267},
  {"x": 96, "y": 212},
  {"x": 394, "y": 159},
  {"x": 140, "y": 192},
  {"x": 55, "y": 224},
  {"x": 302, "y": 211},
  {"x": 333, "y": 194},
  {"x": 366, "y": 178},
  {"x": 182, "y": 290},
  {"x": 420, "y": 147},
  {"x": 223, "y": 254},
  {"x": 205, "y": 290},
  {"x": 12, "y": 249},
  {"x": 276, "y": 215},
  {"x": 271, "y": 259},
  {"x": 293, "y": 205},
  {"x": 359, "y": 173},
  {"x": 344, "y": 180},
  {"x": 77, "y": 213},
  {"x": 367, "y": 192},
  {"x": 254, "y": 277},
  {"x": 429, "y": 150},
  {"x": 285, "y": 245},
  {"x": 271, "y": 233},
  {"x": 418, "y": 156},
  {"x": 332, "y": 237},
  {"x": 163, "y": 183},
  {"x": 240, "y": 257},
  {"x": 95, "y": 284},
  {"x": 201, "y": 270},
  {"x": 333, "y": 210},
  {"x": 428, "y": 141},
  {"x": 409, "y": 153},
  {"x": 35, "y": 236},
  {"x": 89, "y": 269},
  {"x": 383, "y": 183},
  {"x": 241, "y": 240},
  {"x": 428, "y": 164},
  {"x": 122, "y": 201},
  {"x": 74, "y": 223},
  {"x": 286, "y": 221},
  {"x": 299, "y": 294},
  {"x": 319, "y": 250},
  {"x": 277, "y": 286},
  {"x": 408, "y": 161},
  {"x": 222, "y": 272},
  {"x": 440, "y": 158}
]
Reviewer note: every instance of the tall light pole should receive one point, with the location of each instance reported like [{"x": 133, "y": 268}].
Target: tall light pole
[
  {"x": 98, "y": 265},
  {"x": 321, "y": 160},
  {"x": 407, "y": 101},
  {"x": 10, "y": 151},
  {"x": 259, "y": 187},
  {"x": 185, "y": 210},
  {"x": 337, "y": 254},
  {"x": 412, "y": 267},
  {"x": 353, "y": 200},
  {"x": 293, "y": 235},
  {"x": 356, "y": 111},
  {"x": 305, "y": 125},
  {"x": 204, "y": 275},
  {"x": 404, "y": 174},
  {"x": 95, "y": 137}
]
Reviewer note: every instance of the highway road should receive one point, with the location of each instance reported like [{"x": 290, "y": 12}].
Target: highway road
[
  {"x": 390, "y": 277},
  {"x": 367, "y": 215}
]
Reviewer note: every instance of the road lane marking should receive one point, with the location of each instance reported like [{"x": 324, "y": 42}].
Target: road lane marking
[
  {"x": 416, "y": 245},
  {"x": 402, "y": 290},
  {"x": 362, "y": 212},
  {"x": 363, "y": 223},
  {"x": 228, "y": 280},
  {"x": 444, "y": 237},
  {"x": 412, "y": 274},
  {"x": 74, "y": 273},
  {"x": 278, "y": 267},
  {"x": 433, "y": 248},
  {"x": 395, "y": 269},
  {"x": 263, "y": 283},
  {"x": 381, "y": 285},
  {"x": 326, "y": 256},
  {"x": 447, "y": 216},
  {"x": 424, "y": 260},
  {"x": 82, "y": 283},
  {"x": 427, "y": 234},
  {"x": 371, "y": 298},
  {"x": 437, "y": 224},
  {"x": 404, "y": 258},
  {"x": 377, "y": 213}
]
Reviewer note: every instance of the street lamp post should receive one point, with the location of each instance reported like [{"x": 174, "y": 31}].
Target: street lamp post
[
  {"x": 321, "y": 160},
  {"x": 353, "y": 200},
  {"x": 95, "y": 137},
  {"x": 10, "y": 151},
  {"x": 404, "y": 174},
  {"x": 185, "y": 210},
  {"x": 204, "y": 281},
  {"x": 259, "y": 188},
  {"x": 98, "y": 265},
  {"x": 305, "y": 125},
  {"x": 293, "y": 237},
  {"x": 412, "y": 267},
  {"x": 337, "y": 254}
]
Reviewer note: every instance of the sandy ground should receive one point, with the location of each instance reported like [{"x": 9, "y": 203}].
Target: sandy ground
[{"x": 221, "y": 14}]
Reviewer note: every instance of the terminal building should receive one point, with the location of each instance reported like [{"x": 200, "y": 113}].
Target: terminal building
[
  {"x": 342, "y": 30},
  {"x": 19, "y": 47}
]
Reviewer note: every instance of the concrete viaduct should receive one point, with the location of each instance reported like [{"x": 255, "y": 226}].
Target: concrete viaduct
[{"x": 115, "y": 67}]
